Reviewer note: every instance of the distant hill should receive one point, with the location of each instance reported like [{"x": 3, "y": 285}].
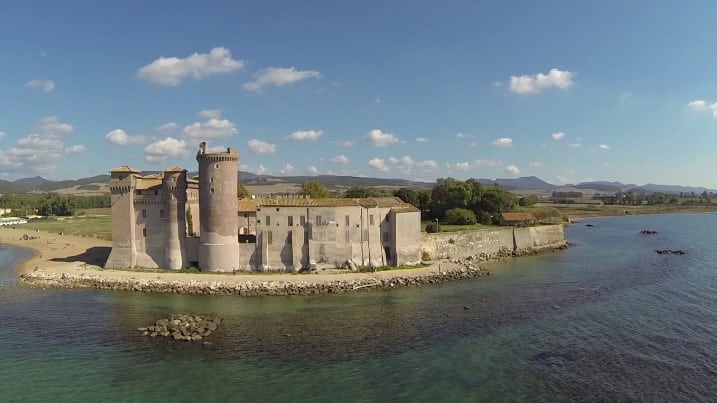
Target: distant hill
[
  {"x": 527, "y": 183},
  {"x": 98, "y": 184}
]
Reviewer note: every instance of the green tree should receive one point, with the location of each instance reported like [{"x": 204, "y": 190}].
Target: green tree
[
  {"x": 314, "y": 189},
  {"x": 528, "y": 200},
  {"x": 460, "y": 216},
  {"x": 242, "y": 192}
]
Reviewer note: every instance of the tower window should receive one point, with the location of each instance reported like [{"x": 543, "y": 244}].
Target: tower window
[
  {"x": 347, "y": 220},
  {"x": 144, "y": 213},
  {"x": 216, "y": 166},
  {"x": 268, "y": 221},
  {"x": 302, "y": 220},
  {"x": 156, "y": 192},
  {"x": 144, "y": 232},
  {"x": 161, "y": 214},
  {"x": 291, "y": 220}
]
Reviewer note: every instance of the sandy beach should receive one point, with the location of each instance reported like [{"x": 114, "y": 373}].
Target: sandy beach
[{"x": 76, "y": 262}]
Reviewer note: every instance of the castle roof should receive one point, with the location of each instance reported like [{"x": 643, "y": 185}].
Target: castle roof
[
  {"x": 126, "y": 168},
  {"x": 251, "y": 205}
]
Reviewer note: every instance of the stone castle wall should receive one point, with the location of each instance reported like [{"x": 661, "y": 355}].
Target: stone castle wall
[{"x": 492, "y": 242}]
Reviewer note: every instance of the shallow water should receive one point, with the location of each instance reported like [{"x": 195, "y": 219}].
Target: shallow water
[{"x": 608, "y": 319}]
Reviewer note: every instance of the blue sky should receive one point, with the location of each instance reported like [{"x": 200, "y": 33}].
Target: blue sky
[{"x": 567, "y": 91}]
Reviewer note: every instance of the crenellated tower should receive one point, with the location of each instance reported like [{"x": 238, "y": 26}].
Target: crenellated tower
[
  {"x": 122, "y": 188},
  {"x": 174, "y": 183},
  {"x": 218, "y": 234}
]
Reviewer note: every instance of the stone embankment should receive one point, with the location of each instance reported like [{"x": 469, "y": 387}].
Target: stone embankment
[{"x": 302, "y": 285}]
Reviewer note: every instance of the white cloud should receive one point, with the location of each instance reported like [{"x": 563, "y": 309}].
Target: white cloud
[
  {"x": 340, "y": 159},
  {"x": 534, "y": 84},
  {"x": 460, "y": 135},
  {"x": 345, "y": 144},
  {"x": 260, "y": 170},
  {"x": 38, "y": 152},
  {"x": 378, "y": 138},
  {"x": 421, "y": 140},
  {"x": 2, "y": 134},
  {"x": 278, "y": 76},
  {"x": 120, "y": 137},
  {"x": 558, "y": 136},
  {"x": 78, "y": 148},
  {"x": 512, "y": 170},
  {"x": 305, "y": 135},
  {"x": 40, "y": 85},
  {"x": 503, "y": 142},
  {"x": 51, "y": 126},
  {"x": 459, "y": 166},
  {"x": 167, "y": 127},
  {"x": 378, "y": 164},
  {"x": 312, "y": 170},
  {"x": 427, "y": 165},
  {"x": 162, "y": 150},
  {"x": 287, "y": 169},
  {"x": 260, "y": 147},
  {"x": 170, "y": 71},
  {"x": 536, "y": 164},
  {"x": 210, "y": 113},
  {"x": 212, "y": 128},
  {"x": 604, "y": 147},
  {"x": 479, "y": 163},
  {"x": 700, "y": 105}
]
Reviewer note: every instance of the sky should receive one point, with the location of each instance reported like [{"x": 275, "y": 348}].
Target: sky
[{"x": 569, "y": 91}]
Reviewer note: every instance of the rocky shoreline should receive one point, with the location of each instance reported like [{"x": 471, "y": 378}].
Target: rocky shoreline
[{"x": 245, "y": 285}]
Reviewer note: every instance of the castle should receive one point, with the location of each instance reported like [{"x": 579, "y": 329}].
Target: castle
[{"x": 171, "y": 221}]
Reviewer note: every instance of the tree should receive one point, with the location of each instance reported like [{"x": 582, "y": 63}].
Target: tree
[
  {"x": 460, "y": 216},
  {"x": 314, "y": 189},
  {"x": 356, "y": 192},
  {"x": 528, "y": 200},
  {"x": 242, "y": 192}
]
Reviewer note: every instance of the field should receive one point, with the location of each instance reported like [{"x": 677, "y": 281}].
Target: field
[{"x": 88, "y": 226}]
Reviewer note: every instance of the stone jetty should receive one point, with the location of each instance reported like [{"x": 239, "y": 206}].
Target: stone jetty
[{"x": 245, "y": 285}]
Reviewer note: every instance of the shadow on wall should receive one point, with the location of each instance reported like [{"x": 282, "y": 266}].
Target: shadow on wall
[{"x": 96, "y": 255}]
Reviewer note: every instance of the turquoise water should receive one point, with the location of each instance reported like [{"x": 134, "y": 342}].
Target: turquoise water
[{"x": 608, "y": 319}]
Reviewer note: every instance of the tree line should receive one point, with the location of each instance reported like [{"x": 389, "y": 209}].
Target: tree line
[
  {"x": 450, "y": 200},
  {"x": 48, "y": 204}
]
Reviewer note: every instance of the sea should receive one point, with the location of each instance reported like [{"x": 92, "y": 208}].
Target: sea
[{"x": 607, "y": 319}]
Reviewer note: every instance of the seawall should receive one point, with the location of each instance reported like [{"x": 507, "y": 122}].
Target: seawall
[{"x": 493, "y": 243}]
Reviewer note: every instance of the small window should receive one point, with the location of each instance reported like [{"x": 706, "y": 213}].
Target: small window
[
  {"x": 144, "y": 232},
  {"x": 144, "y": 213},
  {"x": 291, "y": 220},
  {"x": 139, "y": 193},
  {"x": 370, "y": 219},
  {"x": 268, "y": 221},
  {"x": 302, "y": 220},
  {"x": 268, "y": 237},
  {"x": 211, "y": 189},
  {"x": 161, "y": 214},
  {"x": 211, "y": 179},
  {"x": 318, "y": 220},
  {"x": 277, "y": 209},
  {"x": 216, "y": 166},
  {"x": 156, "y": 192},
  {"x": 347, "y": 220}
]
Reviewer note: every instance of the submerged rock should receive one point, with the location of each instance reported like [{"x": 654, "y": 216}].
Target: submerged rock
[
  {"x": 182, "y": 327},
  {"x": 648, "y": 232},
  {"x": 671, "y": 252}
]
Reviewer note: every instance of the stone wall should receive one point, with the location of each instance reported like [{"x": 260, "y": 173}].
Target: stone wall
[{"x": 493, "y": 242}]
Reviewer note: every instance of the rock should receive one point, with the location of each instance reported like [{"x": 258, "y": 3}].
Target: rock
[{"x": 648, "y": 232}]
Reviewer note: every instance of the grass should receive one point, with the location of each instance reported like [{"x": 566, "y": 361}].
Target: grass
[
  {"x": 87, "y": 226},
  {"x": 573, "y": 211},
  {"x": 458, "y": 228}
]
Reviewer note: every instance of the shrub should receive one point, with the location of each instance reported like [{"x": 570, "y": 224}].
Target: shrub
[
  {"x": 542, "y": 213},
  {"x": 425, "y": 256},
  {"x": 460, "y": 216},
  {"x": 432, "y": 227}
]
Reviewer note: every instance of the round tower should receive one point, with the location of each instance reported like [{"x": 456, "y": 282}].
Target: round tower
[
  {"x": 175, "y": 190},
  {"x": 218, "y": 233}
]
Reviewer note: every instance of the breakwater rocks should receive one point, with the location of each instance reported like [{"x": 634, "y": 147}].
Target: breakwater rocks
[
  {"x": 670, "y": 252},
  {"x": 302, "y": 285},
  {"x": 182, "y": 327}
]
